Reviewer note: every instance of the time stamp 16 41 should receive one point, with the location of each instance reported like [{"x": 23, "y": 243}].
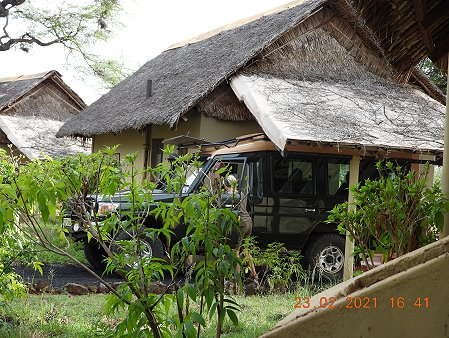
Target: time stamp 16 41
[{"x": 363, "y": 303}]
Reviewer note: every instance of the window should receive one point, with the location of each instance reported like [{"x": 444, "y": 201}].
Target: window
[
  {"x": 233, "y": 171},
  {"x": 337, "y": 177},
  {"x": 292, "y": 176}
]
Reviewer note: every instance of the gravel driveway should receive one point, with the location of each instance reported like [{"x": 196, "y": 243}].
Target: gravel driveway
[{"x": 60, "y": 274}]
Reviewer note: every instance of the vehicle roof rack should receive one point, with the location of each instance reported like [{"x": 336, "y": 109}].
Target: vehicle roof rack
[{"x": 188, "y": 142}]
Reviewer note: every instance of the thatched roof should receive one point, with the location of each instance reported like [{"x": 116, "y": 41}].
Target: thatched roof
[
  {"x": 182, "y": 76},
  {"x": 12, "y": 89},
  {"x": 362, "y": 112},
  {"x": 36, "y": 137},
  {"x": 188, "y": 73},
  {"x": 407, "y": 31}
]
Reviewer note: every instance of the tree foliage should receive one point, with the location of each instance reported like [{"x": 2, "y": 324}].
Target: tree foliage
[
  {"x": 77, "y": 25},
  {"x": 436, "y": 75}
]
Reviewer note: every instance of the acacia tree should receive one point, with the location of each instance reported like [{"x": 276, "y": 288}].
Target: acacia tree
[{"x": 75, "y": 24}]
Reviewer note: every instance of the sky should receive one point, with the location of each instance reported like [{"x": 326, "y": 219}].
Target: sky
[{"x": 148, "y": 27}]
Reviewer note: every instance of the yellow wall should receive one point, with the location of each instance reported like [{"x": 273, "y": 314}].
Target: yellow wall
[
  {"x": 213, "y": 129},
  {"x": 191, "y": 126},
  {"x": 197, "y": 125},
  {"x": 129, "y": 141}
]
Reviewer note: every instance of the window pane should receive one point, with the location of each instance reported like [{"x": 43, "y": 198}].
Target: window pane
[
  {"x": 338, "y": 177},
  {"x": 292, "y": 176},
  {"x": 233, "y": 171}
]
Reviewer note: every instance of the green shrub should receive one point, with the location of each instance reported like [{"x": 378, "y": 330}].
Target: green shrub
[
  {"x": 393, "y": 215},
  {"x": 280, "y": 268}
]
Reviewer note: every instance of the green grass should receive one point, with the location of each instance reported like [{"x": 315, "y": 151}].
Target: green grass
[
  {"x": 83, "y": 316},
  {"x": 56, "y": 316},
  {"x": 73, "y": 248},
  {"x": 258, "y": 314}
]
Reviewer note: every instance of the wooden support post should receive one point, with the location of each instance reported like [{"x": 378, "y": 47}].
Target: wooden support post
[
  {"x": 146, "y": 151},
  {"x": 445, "y": 176},
  {"x": 354, "y": 166}
]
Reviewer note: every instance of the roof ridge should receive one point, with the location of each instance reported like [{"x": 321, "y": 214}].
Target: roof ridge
[
  {"x": 27, "y": 77},
  {"x": 235, "y": 24}
]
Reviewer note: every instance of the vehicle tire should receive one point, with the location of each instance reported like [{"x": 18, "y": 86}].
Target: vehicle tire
[
  {"x": 325, "y": 257},
  {"x": 154, "y": 246},
  {"x": 95, "y": 255}
]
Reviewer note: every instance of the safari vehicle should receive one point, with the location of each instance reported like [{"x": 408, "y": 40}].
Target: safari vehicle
[{"x": 289, "y": 198}]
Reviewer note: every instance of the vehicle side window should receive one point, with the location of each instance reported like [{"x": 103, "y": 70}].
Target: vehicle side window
[
  {"x": 255, "y": 180},
  {"x": 226, "y": 176},
  {"x": 337, "y": 177},
  {"x": 292, "y": 176}
]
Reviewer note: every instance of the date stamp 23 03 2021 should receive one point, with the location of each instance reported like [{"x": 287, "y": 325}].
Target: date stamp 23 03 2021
[{"x": 351, "y": 303}]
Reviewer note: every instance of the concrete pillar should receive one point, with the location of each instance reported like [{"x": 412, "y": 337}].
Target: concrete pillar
[
  {"x": 445, "y": 176},
  {"x": 354, "y": 166}
]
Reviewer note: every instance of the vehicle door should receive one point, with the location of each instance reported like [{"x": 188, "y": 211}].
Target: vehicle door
[
  {"x": 336, "y": 183},
  {"x": 292, "y": 203},
  {"x": 226, "y": 178},
  {"x": 248, "y": 173}
]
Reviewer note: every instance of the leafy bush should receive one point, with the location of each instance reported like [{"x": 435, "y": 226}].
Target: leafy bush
[
  {"x": 393, "y": 215},
  {"x": 13, "y": 245},
  {"x": 37, "y": 189},
  {"x": 280, "y": 268},
  {"x": 11, "y": 250}
]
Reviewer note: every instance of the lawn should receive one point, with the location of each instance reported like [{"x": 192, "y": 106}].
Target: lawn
[
  {"x": 56, "y": 316},
  {"x": 83, "y": 316},
  {"x": 50, "y": 315}
]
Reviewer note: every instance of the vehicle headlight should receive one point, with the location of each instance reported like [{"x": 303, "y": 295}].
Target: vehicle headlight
[{"x": 106, "y": 207}]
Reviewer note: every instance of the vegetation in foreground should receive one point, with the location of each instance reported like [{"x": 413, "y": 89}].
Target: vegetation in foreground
[
  {"x": 84, "y": 316},
  {"x": 393, "y": 215},
  {"x": 201, "y": 306},
  {"x": 36, "y": 190}
]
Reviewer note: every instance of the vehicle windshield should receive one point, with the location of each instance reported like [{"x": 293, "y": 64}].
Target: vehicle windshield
[{"x": 192, "y": 174}]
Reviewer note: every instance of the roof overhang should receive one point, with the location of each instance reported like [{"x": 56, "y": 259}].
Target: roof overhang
[
  {"x": 36, "y": 137},
  {"x": 362, "y": 114}
]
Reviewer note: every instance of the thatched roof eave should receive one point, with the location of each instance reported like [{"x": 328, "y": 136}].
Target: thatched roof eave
[
  {"x": 182, "y": 76},
  {"x": 185, "y": 74}
]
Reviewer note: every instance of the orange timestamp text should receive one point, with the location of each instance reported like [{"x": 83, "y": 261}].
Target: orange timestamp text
[{"x": 362, "y": 303}]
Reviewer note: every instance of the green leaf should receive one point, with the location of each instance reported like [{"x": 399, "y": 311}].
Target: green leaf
[
  {"x": 189, "y": 329},
  {"x": 180, "y": 298},
  {"x": 212, "y": 310},
  {"x": 38, "y": 266},
  {"x": 232, "y": 316},
  {"x": 439, "y": 220},
  {"x": 42, "y": 203},
  {"x": 191, "y": 291}
]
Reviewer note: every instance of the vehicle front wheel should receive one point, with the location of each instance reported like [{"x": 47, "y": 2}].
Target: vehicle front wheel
[
  {"x": 151, "y": 247},
  {"x": 95, "y": 255},
  {"x": 325, "y": 257}
]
